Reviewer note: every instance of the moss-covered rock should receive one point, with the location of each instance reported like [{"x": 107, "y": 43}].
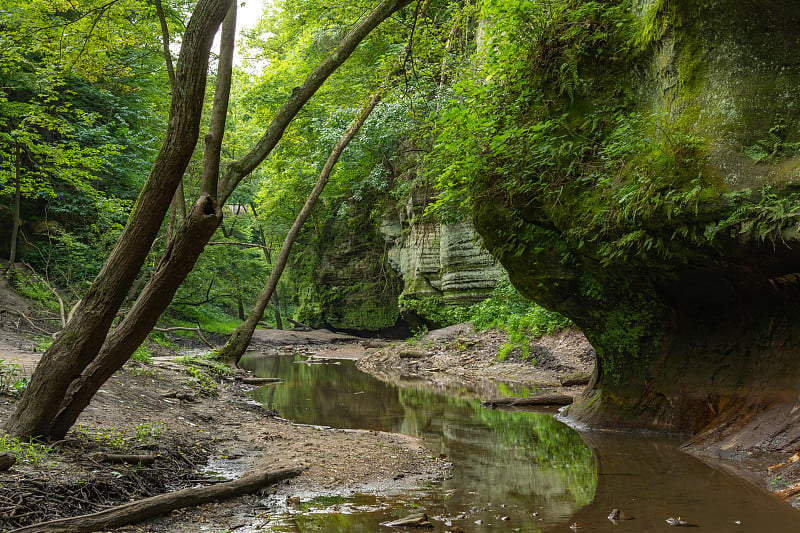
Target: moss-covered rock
[
  {"x": 342, "y": 278},
  {"x": 636, "y": 169}
]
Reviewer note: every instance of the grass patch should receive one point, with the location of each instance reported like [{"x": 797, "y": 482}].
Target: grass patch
[{"x": 31, "y": 453}]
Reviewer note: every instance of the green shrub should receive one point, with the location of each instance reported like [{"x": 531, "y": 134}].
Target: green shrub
[
  {"x": 523, "y": 320},
  {"x": 142, "y": 355},
  {"x": 11, "y": 380},
  {"x": 434, "y": 310}
]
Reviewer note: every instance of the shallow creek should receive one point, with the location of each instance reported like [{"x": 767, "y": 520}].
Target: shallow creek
[{"x": 512, "y": 471}]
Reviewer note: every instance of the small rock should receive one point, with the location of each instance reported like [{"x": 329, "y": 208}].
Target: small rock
[
  {"x": 6, "y": 461},
  {"x": 676, "y": 521}
]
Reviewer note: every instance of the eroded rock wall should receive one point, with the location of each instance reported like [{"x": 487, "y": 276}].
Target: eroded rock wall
[
  {"x": 435, "y": 260},
  {"x": 671, "y": 235},
  {"x": 366, "y": 260}
]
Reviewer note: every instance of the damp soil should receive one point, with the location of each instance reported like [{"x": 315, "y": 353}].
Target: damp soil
[{"x": 202, "y": 429}]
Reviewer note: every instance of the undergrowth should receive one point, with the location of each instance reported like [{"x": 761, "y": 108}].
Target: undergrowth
[
  {"x": 11, "y": 379},
  {"x": 504, "y": 309},
  {"x": 523, "y": 320},
  {"x": 25, "y": 452},
  {"x": 204, "y": 370}
]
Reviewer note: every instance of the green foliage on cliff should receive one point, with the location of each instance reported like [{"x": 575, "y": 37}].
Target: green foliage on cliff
[
  {"x": 435, "y": 311},
  {"x": 605, "y": 163}
]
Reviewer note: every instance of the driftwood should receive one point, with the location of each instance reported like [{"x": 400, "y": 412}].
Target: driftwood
[
  {"x": 412, "y": 354},
  {"x": 415, "y": 520},
  {"x": 374, "y": 343},
  {"x": 260, "y": 381},
  {"x": 124, "y": 458},
  {"x": 789, "y": 491},
  {"x": 296, "y": 324},
  {"x": 575, "y": 380},
  {"x": 133, "y": 512},
  {"x": 6, "y": 461},
  {"x": 196, "y": 331},
  {"x": 541, "y": 399}
]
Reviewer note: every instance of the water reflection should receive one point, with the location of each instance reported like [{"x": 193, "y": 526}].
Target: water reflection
[
  {"x": 511, "y": 471},
  {"x": 504, "y": 464}
]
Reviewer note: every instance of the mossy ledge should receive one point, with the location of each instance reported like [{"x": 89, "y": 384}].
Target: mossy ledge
[{"x": 662, "y": 215}]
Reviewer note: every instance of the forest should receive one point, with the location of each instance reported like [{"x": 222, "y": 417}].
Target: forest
[{"x": 200, "y": 172}]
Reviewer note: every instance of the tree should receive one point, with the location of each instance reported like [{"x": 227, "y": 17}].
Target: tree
[
  {"x": 83, "y": 356},
  {"x": 83, "y": 336},
  {"x": 238, "y": 341}
]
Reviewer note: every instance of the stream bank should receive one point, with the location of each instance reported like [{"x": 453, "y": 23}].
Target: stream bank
[
  {"x": 229, "y": 433},
  {"x": 202, "y": 428},
  {"x": 459, "y": 361}
]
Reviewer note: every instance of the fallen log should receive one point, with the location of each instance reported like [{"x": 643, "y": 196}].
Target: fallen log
[
  {"x": 540, "y": 399},
  {"x": 788, "y": 492},
  {"x": 124, "y": 458},
  {"x": 133, "y": 512},
  {"x": 299, "y": 326},
  {"x": 260, "y": 381},
  {"x": 575, "y": 380},
  {"x": 415, "y": 520},
  {"x": 412, "y": 354},
  {"x": 6, "y": 461},
  {"x": 197, "y": 331}
]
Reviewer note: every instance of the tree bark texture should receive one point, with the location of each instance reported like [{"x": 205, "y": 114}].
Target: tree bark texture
[
  {"x": 219, "y": 109},
  {"x": 240, "y": 339},
  {"x": 83, "y": 336},
  {"x": 133, "y": 512},
  {"x": 129, "y": 334}
]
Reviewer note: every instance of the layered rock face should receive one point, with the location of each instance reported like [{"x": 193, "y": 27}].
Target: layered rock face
[
  {"x": 443, "y": 261},
  {"x": 674, "y": 242},
  {"x": 366, "y": 263}
]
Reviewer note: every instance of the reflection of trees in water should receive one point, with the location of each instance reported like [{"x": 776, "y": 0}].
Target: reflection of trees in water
[
  {"x": 332, "y": 393},
  {"x": 511, "y": 453},
  {"x": 553, "y": 446},
  {"x": 518, "y": 457}
]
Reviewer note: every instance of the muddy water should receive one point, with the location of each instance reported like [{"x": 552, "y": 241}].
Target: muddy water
[{"x": 512, "y": 471}]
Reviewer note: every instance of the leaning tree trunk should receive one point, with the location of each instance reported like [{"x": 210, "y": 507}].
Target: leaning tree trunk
[
  {"x": 200, "y": 224},
  {"x": 81, "y": 339},
  {"x": 268, "y": 259},
  {"x": 184, "y": 250},
  {"x": 17, "y": 201},
  {"x": 240, "y": 339}
]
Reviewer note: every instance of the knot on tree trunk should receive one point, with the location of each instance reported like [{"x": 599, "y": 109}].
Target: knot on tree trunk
[{"x": 207, "y": 205}]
